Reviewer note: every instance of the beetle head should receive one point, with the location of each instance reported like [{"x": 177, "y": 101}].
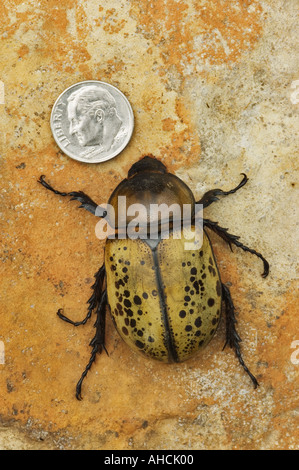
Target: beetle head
[{"x": 147, "y": 164}]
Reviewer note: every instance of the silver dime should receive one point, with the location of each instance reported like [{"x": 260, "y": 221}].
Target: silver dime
[{"x": 92, "y": 121}]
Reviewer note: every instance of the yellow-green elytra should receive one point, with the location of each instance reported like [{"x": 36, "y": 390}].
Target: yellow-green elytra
[{"x": 165, "y": 300}]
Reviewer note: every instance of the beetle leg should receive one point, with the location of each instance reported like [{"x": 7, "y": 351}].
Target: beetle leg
[
  {"x": 232, "y": 337},
  {"x": 98, "y": 342},
  {"x": 211, "y": 196},
  {"x": 93, "y": 301},
  {"x": 234, "y": 239},
  {"x": 86, "y": 202}
]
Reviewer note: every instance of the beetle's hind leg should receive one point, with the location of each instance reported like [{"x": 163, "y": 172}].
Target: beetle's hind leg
[
  {"x": 212, "y": 195},
  {"x": 86, "y": 202},
  {"x": 98, "y": 342},
  {"x": 93, "y": 301},
  {"x": 232, "y": 337},
  {"x": 234, "y": 240},
  {"x": 97, "y": 301}
]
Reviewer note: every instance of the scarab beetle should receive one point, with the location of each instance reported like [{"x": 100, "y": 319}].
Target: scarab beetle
[{"x": 165, "y": 300}]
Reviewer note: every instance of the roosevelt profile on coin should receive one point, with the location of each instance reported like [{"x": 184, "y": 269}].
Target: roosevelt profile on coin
[{"x": 93, "y": 117}]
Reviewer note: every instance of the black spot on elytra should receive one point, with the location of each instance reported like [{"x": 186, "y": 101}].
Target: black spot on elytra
[
  {"x": 133, "y": 323},
  {"x": 127, "y": 303},
  {"x": 119, "y": 308},
  {"x": 140, "y": 333},
  {"x": 212, "y": 271},
  {"x": 129, "y": 312},
  {"x": 139, "y": 344},
  {"x": 125, "y": 331},
  {"x": 188, "y": 328},
  {"x": 182, "y": 313},
  {"x": 201, "y": 253},
  {"x": 145, "y": 295},
  {"x": 211, "y": 261},
  {"x": 126, "y": 293},
  {"x": 154, "y": 293},
  {"x": 142, "y": 262},
  {"x": 198, "y": 322},
  {"x": 187, "y": 298},
  {"x": 211, "y": 302},
  {"x": 140, "y": 312},
  {"x": 187, "y": 288},
  {"x": 150, "y": 339},
  {"x": 124, "y": 270},
  {"x": 193, "y": 271},
  {"x": 196, "y": 286},
  {"x": 137, "y": 300},
  {"x": 119, "y": 283},
  {"x": 214, "y": 321}
]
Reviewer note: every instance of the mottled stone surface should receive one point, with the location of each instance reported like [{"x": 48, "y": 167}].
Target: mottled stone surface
[{"x": 210, "y": 83}]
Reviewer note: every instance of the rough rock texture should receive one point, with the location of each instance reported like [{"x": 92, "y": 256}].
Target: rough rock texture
[{"x": 210, "y": 83}]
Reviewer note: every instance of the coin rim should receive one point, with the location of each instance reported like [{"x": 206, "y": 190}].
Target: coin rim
[{"x": 121, "y": 148}]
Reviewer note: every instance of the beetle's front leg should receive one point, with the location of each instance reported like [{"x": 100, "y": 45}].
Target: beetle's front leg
[
  {"x": 232, "y": 337},
  {"x": 86, "y": 202},
  {"x": 211, "y": 196},
  {"x": 234, "y": 239}
]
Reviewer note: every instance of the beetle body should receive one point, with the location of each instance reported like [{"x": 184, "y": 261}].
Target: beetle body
[{"x": 165, "y": 300}]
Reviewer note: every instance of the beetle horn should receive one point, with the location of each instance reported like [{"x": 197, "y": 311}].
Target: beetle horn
[{"x": 147, "y": 163}]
